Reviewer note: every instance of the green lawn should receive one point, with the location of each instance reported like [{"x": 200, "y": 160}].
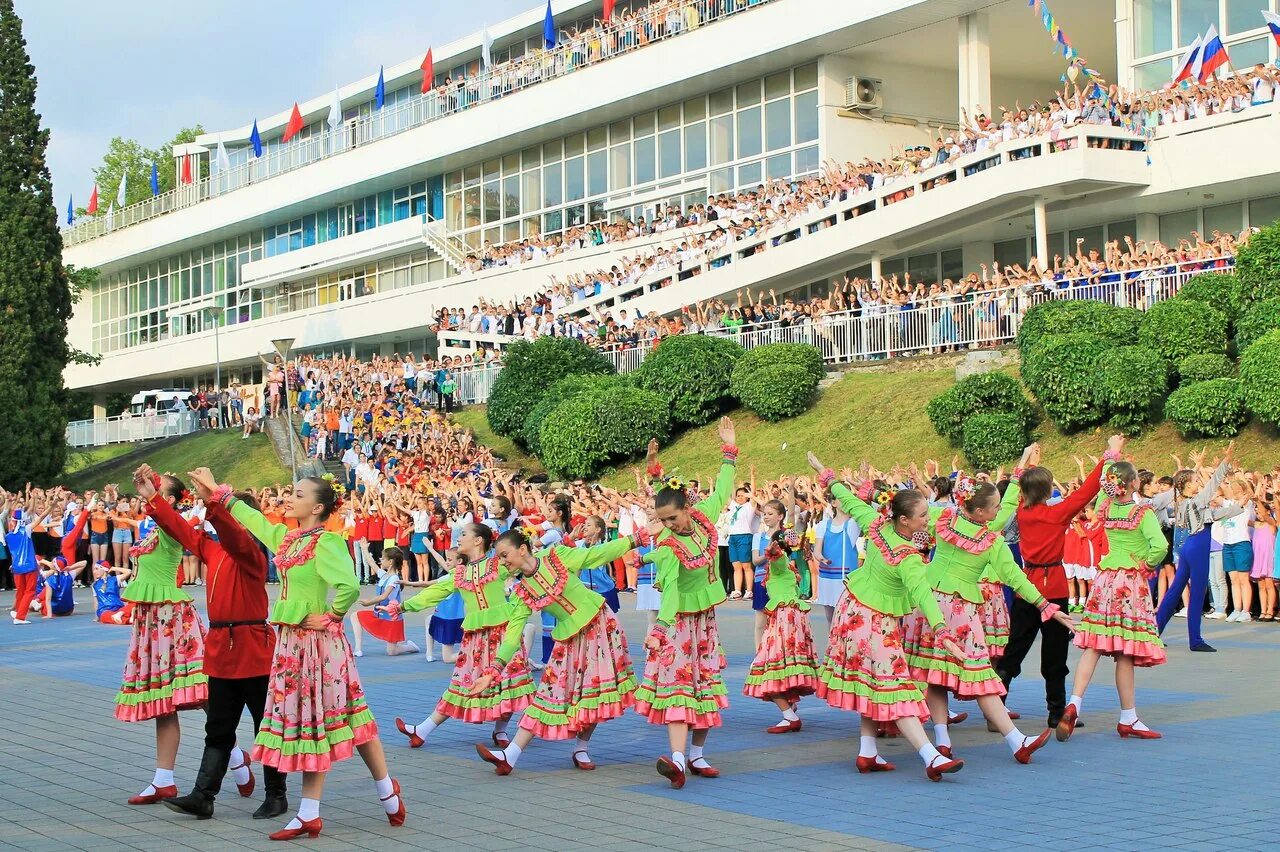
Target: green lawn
[
  {"x": 243, "y": 463},
  {"x": 80, "y": 458}
]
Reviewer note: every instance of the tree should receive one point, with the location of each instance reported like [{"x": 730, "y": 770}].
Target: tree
[
  {"x": 35, "y": 293},
  {"x": 130, "y": 157}
]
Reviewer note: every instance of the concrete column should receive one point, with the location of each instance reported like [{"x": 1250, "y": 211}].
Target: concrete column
[
  {"x": 1124, "y": 43},
  {"x": 100, "y": 406},
  {"x": 1042, "y": 233},
  {"x": 1148, "y": 227},
  {"x": 875, "y": 267},
  {"x": 974, "y": 63}
]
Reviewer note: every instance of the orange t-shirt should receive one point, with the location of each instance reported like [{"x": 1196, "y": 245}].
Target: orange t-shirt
[{"x": 98, "y": 522}]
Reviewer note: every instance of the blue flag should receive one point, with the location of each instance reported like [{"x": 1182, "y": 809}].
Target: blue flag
[
  {"x": 71, "y": 210},
  {"x": 155, "y": 178},
  {"x": 380, "y": 93},
  {"x": 549, "y": 28},
  {"x": 255, "y": 138}
]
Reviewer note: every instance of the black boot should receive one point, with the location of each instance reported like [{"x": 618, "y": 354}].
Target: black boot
[
  {"x": 275, "y": 803},
  {"x": 199, "y": 802}
]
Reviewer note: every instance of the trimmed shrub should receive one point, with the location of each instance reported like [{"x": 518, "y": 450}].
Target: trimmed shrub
[
  {"x": 1061, "y": 372},
  {"x": 991, "y": 439},
  {"x": 566, "y": 388},
  {"x": 1258, "y": 266},
  {"x": 1255, "y": 321},
  {"x": 1218, "y": 290},
  {"x": 799, "y": 354},
  {"x": 692, "y": 373},
  {"x": 983, "y": 393},
  {"x": 1212, "y": 409},
  {"x": 777, "y": 391},
  {"x": 1132, "y": 382},
  {"x": 588, "y": 433},
  {"x": 1181, "y": 327},
  {"x": 1202, "y": 368},
  {"x": 529, "y": 370},
  {"x": 1260, "y": 377},
  {"x": 1117, "y": 326}
]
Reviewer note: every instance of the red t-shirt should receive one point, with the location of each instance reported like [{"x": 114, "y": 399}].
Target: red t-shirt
[
  {"x": 1042, "y": 536},
  {"x": 377, "y": 528},
  {"x": 361, "y": 530}
]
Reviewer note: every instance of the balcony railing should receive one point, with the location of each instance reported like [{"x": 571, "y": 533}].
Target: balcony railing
[
  {"x": 131, "y": 428},
  {"x": 583, "y": 50}
]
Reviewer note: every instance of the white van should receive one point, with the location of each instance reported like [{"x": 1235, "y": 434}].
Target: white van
[{"x": 161, "y": 401}]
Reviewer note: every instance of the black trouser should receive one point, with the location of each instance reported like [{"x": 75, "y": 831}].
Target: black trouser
[
  {"x": 228, "y": 698},
  {"x": 1024, "y": 623}
]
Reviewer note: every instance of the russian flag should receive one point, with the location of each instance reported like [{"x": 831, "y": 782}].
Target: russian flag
[
  {"x": 1273, "y": 23},
  {"x": 1213, "y": 57},
  {"x": 1190, "y": 63}
]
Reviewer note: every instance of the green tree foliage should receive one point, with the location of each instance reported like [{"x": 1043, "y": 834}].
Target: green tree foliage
[
  {"x": 982, "y": 393},
  {"x": 1181, "y": 327},
  {"x": 35, "y": 293},
  {"x": 1260, "y": 377},
  {"x": 528, "y": 372},
  {"x": 1258, "y": 266},
  {"x": 993, "y": 438},
  {"x": 692, "y": 373},
  {"x": 1061, "y": 371},
  {"x": 130, "y": 157},
  {"x": 1202, "y": 368},
  {"x": 1132, "y": 382},
  {"x": 1116, "y": 326},
  {"x": 1255, "y": 321},
  {"x": 566, "y": 388},
  {"x": 589, "y": 432},
  {"x": 1212, "y": 409},
  {"x": 1218, "y": 290},
  {"x": 777, "y": 391}
]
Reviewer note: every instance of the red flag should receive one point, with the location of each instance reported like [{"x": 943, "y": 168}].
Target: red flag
[
  {"x": 186, "y": 168},
  {"x": 608, "y": 10},
  {"x": 295, "y": 124},
  {"x": 428, "y": 72},
  {"x": 92, "y": 209}
]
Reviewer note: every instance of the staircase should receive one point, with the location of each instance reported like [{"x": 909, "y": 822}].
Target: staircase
[
  {"x": 277, "y": 430},
  {"x": 453, "y": 250}
]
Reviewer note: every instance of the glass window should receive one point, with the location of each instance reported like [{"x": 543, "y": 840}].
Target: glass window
[
  {"x": 643, "y": 123},
  {"x": 492, "y": 169},
  {"x": 777, "y": 124},
  {"x": 1173, "y": 227},
  {"x": 778, "y": 166},
  {"x": 597, "y": 173},
  {"x": 620, "y": 166},
  {"x": 749, "y": 140},
  {"x": 532, "y": 195},
  {"x": 749, "y": 175},
  {"x": 721, "y": 101},
  {"x": 1092, "y": 242},
  {"x": 669, "y": 117},
  {"x": 453, "y": 181},
  {"x": 748, "y": 93},
  {"x": 695, "y": 109},
  {"x": 721, "y": 180},
  {"x": 1152, "y": 26},
  {"x": 1195, "y": 17},
  {"x": 1010, "y": 252},
  {"x": 1250, "y": 53},
  {"x": 1245, "y": 15},
  {"x": 596, "y": 211},
  {"x": 471, "y": 177},
  {"x": 575, "y": 216},
  {"x": 531, "y": 157},
  {"x": 807, "y": 117},
  {"x": 552, "y": 151},
  {"x": 1225, "y": 219},
  {"x": 1264, "y": 211},
  {"x": 1153, "y": 75},
  {"x": 597, "y": 138},
  {"x": 575, "y": 186},
  {"x": 953, "y": 264},
  {"x": 1120, "y": 230},
  {"x": 552, "y": 188},
  {"x": 511, "y": 196},
  {"x": 574, "y": 145},
  {"x": 646, "y": 151},
  {"x": 777, "y": 85},
  {"x": 669, "y": 153},
  {"x": 510, "y": 163},
  {"x": 806, "y": 77},
  {"x": 721, "y": 139},
  {"x": 695, "y": 147},
  {"x": 924, "y": 267},
  {"x": 620, "y": 131}
]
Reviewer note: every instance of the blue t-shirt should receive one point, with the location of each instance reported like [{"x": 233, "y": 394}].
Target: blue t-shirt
[
  {"x": 840, "y": 548},
  {"x": 599, "y": 579},
  {"x": 21, "y": 550},
  {"x": 61, "y": 593},
  {"x": 106, "y": 592}
]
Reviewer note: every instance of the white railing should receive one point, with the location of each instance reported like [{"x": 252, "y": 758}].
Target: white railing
[
  {"x": 589, "y": 48},
  {"x": 131, "y": 428}
]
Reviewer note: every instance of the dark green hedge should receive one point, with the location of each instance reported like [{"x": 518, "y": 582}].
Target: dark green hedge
[
  {"x": 566, "y": 388},
  {"x": 528, "y": 372},
  {"x": 598, "y": 428},
  {"x": 1061, "y": 372},
  {"x": 983, "y": 393},
  {"x": 1255, "y": 321},
  {"x": 1132, "y": 382},
  {"x": 776, "y": 391},
  {"x": 1211, "y": 409},
  {"x": 1202, "y": 368},
  {"x": 1118, "y": 326},
  {"x": 1260, "y": 377},
  {"x": 1218, "y": 290},
  {"x": 1181, "y": 327},
  {"x": 1258, "y": 266},
  {"x": 992, "y": 438},
  {"x": 798, "y": 354},
  {"x": 692, "y": 373}
]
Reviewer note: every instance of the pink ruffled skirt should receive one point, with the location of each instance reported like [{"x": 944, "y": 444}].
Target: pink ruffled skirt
[
  {"x": 968, "y": 678},
  {"x": 682, "y": 679},
  {"x": 1118, "y": 619},
  {"x": 784, "y": 666},
  {"x": 865, "y": 670},
  {"x": 994, "y": 614},
  {"x": 164, "y": 669},
  {"x": 479, "y": 650}
]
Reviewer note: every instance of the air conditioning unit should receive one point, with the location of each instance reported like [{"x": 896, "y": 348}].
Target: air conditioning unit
[{"x": 862, "y": 93}]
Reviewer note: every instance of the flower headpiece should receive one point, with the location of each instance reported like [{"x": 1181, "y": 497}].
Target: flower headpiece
[
  {"x": 339, "y": 490},
  {"x": 1111, "y": 487},
  {"x": 964, "y": 488}
]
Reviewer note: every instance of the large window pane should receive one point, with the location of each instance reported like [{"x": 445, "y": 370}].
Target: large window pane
[
  {"x": 1249, "y": 53},
  {"x": 552, "y": 222},
  {"x": 575, "y": 186},
  {"x": 721, "y": 180},
  {"x": 492, "y": 202},
  {"x": 749, "y": 175},
  {"x": 1225, "y": 219},
  {"x": 1242, "y": 16},
  {"x": 552, "y": 190},
  {"x": 777, "y": 124},
  {"x": 532, "y": 196},
  {"x": 1264, "y": 211},
  {"x": 807, "y": 117},
  {"x": 721, "y": 139},
  {"x": 619, "y": 166},
  {"x": 807, "y": 160},
  {"x": 1174, "y": 227},
  {"x": 511, "y": 196},
  {"x": 597, "y": 173},
  {"x": 1152, "y": 26},
  {"x": 806, "y": 77},
  {"x": 749, "y": 140},
  {"x": 1195, "y": 17},
  {"x": 777, "y": 85},
  {"x": 646, "y": 152},
  {"x": 669, "y": 153},
  {"x": 695, "y": 147},
  {"x": 1153, "y": 75},
  {"x": 1093, "y": 241},
  {"x": 470, "y": 207},
  {"x": 778, "y": 166}
]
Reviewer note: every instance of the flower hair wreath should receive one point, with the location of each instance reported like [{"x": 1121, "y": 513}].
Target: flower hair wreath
[{"x": 339, "y": 490}]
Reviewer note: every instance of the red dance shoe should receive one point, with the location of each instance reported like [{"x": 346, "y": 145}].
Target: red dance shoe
[
  {"x": 1127, "y": 731},
  {"x": 160, "y": 794},
  {"x": 396, "y": 818},
  {"x": 887, "y": 729},
  {"x": 668, "y": 769},
  {"x": 1067, "y": 724},
  {"x": 957, "y": 719},
  {"x": 1014, "y": 714},
  {"x": 945, "y": 751},
  {"x": 784, "y": 727},
  {"x": 1023, "y": 755},
  {"x": 870, "y": 764},
  {"x": 707, "y": 771},
  {"x": 310, "y": 827},
  {"x": 936, "y": 771},
  {"x": 500, "y": 740},
  {"x": 246, "y": 789},
  {"x": 584, "y": 765},
  {"x": 415, "y": 741},
  {"x": 500, "y": 764}
]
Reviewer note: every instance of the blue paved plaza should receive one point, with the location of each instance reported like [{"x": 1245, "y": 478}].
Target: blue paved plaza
[{"x": 68, "y": 766}]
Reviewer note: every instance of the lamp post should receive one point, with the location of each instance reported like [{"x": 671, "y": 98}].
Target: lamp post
[{"x": 283, "y": 345}]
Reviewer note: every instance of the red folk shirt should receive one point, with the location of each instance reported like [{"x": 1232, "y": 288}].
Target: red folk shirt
[
  {"x": 1042, "y": 535},
  {"x": 236, "y": 589}
]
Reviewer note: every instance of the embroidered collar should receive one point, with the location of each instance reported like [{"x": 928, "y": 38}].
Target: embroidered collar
[
  {"x": 147, "y": 545},
  {"x": 554, "y": 590},
  {"x": 950, "y": 532},
  {"x": 704, "y": 559},
  {"x": 476, "y": 575},
  {"x": 1129, "y": 521},
  {"x": 286, "y": 559},
  {"x": 893, "y": 555}
]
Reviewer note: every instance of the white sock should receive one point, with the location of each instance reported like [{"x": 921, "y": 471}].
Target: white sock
[
  {"x": 941, "y": 736},
  {"x": 1071, "y": 602},
  {"x": 308, "y": 810},
  {"x": 386, "y": 792},
  {"x": 790, "y": 715},
  {"x": 580, "y": 747},
  {"x": 408, "y": 647},
  {"x": 1015, "y": 740},
  {"x": 164, "y": 777},
  {"x": 1079, "y": 702},
  {"x": 677, "y": 757},
  {"x": 424, "y": 730},
  {"x": 867, "y": 747},
  {"x": 510, "y": 754},
  {"x": 500, "y": 726},
  {"x": 240, "y": 774},
  {"x": 1128, "y": 717},
  {"x": 929, "y": 754}
]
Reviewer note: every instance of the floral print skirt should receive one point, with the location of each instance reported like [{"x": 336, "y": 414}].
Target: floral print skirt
[
  {"x": 865, "y": 669},
  {"x": 784, "y": 666},
  {"x": 994, "y": 614},
  {"x": 588, "y": 680},
  {"x": 682, "y": 679},
  {"x": 1118, "y": 619},
  {"x": 316, "y": 711},
  {"x": 968, "y": 678},
  {"x": 164, "y": 670},
  {"x": 477, "y": 652}
]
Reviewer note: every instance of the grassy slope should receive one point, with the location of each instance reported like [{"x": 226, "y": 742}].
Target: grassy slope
[
  {"x": 473, "y": 418},
  {"x": 243, "y": 463},
  {"x": 879, "y": 416},
  {"x": 79, "y": 459}
]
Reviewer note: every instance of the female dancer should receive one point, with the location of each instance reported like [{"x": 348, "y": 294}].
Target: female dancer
[
  {"x": 865, "y": 670},
  {"x": 482, "y": 582},
  {"x": 771, "y": 519},
  {"x": 682, "y": 686},
  {"x": 377, "y": 621},
  {"x": 1118, "y": 621},
  {"x": 599, "y": 579},
  {"x": 164, "y": 670},
  {"x": 315, "y": 689},
  {"x": 588, "y": 679},
  {"x": 1264, "y": 549},
  {"x": 968, "y": 548},
  {"x": 784, "y": 669}
]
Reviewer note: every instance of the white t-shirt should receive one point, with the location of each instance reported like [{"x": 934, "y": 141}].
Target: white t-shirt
[
  {"x": 421, "y": 520},
  {"x": 742, "y": 518},
  {"x": 1233, "y": 530}
]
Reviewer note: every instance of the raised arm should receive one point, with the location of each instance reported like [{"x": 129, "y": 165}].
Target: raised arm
[
  {"x": 723, "y": 490},
  {"x": 431, "y": 596},
  {"x": 234, "y": 538}
]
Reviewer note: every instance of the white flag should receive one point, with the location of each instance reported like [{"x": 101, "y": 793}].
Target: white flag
[
  {"x": 486, "y": 45},
  {"x": 111, "y": 216},
  {"x": 124, "y": 178},
  {"x": 224, "y": 162},
  {"x": 335, "y": 111}
]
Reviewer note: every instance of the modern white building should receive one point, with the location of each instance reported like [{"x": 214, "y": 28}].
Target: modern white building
[{"x": 347, "y": 237}]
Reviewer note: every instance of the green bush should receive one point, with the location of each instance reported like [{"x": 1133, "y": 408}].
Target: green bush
[
  {"x": 1260, "y": 377},
  {"x": 1212, "y": 409},
  {"x": 566, "y": 388},
  {"x": 777, "y": 391},
  {"x": 981, "y": 393},
  {"x": 1116, "y": 326},
  {"x": 529, "y": 370},
  {"x": 588, "y": 433},
  {"x": 692, "y": 373},
  {"x": 1061, "y": 372},
  {"x": 1180, "y": 327},
  {"x": 1255, "y": 321},
  {"x": 1258, "y": 266},
  {"x": 799, "y": 354},
  {"x": 1131, "y": 384},
  {"x": 993, "y": 438},
  {"x": 1202, "y": 368},
  {"x": 1218, "y": 290}
]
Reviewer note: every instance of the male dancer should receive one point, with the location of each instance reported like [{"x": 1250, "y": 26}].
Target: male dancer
[{"x": 238, "y": 649}]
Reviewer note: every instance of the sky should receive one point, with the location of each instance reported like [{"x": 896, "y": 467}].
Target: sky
[{"x": 143, "y": 69}]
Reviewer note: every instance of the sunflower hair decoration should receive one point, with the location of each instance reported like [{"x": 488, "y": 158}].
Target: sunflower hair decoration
[
  {"x": 1111, "y": 487},
  {"x": 339, "y": 490}
]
